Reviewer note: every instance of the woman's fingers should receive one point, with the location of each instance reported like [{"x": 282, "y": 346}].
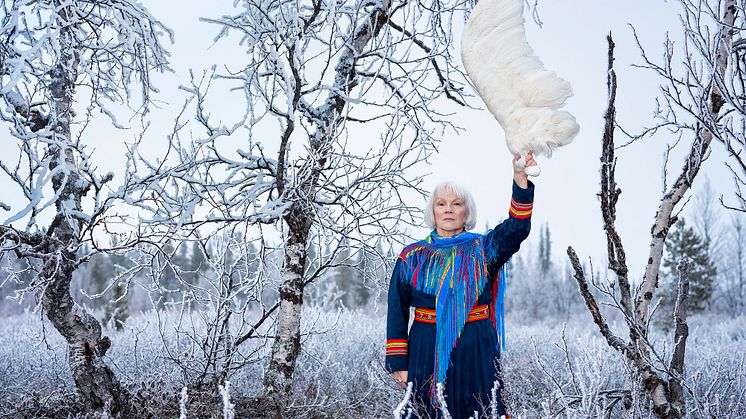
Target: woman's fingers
[
  {"x": 401, "y": 377},
  {"x": 530, "y": 159}
]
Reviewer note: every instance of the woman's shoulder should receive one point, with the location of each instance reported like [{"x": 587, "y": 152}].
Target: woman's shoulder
[{"x": 412, "y": 248}]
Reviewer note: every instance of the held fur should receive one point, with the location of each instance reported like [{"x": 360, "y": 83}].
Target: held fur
[{"x": 523, "y": 96}]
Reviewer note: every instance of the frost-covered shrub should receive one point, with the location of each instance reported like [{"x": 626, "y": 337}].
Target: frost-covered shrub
[{"x": 340, "y": 371}]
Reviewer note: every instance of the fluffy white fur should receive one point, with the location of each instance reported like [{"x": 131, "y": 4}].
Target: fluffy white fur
[{"x": 523, "y": 96}]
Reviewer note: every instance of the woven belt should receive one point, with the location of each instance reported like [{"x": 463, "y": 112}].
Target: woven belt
[{"x": 426, "y": 315}]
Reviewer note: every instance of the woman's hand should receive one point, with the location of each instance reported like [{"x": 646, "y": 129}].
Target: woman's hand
[
  {"x": 519, "y": 173},
  {"x": 400, "y": 377}
]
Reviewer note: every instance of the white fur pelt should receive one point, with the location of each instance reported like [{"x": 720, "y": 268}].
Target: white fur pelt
[{"x": 523, "y": 96}]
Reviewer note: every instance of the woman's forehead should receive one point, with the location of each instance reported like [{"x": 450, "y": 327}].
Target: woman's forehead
[{"x": 448, "y": 195}]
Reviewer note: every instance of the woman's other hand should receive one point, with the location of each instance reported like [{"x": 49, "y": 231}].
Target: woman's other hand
[
  {"x": 519, "y": 173},
  {"x": 400, "y": 377}
]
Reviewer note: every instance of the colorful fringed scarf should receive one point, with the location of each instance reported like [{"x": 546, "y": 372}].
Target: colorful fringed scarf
[{"x": 454, "y": 270}]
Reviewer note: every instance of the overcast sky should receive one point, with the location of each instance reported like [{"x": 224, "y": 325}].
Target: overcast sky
[{"x": 571, "y": 42}]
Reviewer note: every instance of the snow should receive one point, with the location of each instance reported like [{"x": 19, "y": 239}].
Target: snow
[{"x": 344, "y": 364}]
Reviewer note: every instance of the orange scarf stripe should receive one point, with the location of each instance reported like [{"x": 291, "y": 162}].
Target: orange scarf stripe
[{"x": 426, "y": 315}]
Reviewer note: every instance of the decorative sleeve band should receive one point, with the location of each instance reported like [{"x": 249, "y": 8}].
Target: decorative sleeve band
[
  {"x": 396, "y": 347},
  {"x": 520, "y": 210}
]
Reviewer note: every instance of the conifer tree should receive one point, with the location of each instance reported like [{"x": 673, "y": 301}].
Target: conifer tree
[
  {"x": 116, "y": 306},
  {"x": 684, "y": 242},
  {"x": 100, "y": 271},
  {"x": 195, "y": 263},
  {"x": 545, "y": 250},
  {"x": 345, "y": 276}
]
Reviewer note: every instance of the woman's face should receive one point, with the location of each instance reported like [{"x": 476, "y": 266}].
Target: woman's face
[{"x": 450, "y": 213}]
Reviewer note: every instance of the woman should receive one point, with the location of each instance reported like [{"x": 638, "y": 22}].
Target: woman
[{"x": 455, "y": 280}]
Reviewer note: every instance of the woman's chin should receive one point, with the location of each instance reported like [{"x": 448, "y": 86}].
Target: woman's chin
[{"x": 451, "y": 228}]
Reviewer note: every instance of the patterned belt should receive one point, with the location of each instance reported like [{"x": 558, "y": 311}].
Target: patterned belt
[{"x": 426, "y": 315}]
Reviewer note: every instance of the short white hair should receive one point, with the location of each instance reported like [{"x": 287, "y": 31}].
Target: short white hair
[{"x": 459, "y": 191}]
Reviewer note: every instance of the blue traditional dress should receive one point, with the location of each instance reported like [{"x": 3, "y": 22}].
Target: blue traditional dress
[{"x": 456, "y": 286}]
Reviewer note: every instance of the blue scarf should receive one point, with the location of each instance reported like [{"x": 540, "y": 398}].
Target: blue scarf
[{"x": 454, "y": 270}]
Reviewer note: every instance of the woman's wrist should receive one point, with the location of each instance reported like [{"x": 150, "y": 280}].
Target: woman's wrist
[{"x": 521, "y": 179}]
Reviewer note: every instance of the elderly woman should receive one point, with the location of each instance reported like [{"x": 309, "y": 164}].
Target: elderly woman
[{"x": 455, "y": 281}]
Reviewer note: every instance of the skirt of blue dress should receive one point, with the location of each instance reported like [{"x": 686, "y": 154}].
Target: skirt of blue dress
[{"x": 473, "y": 370}]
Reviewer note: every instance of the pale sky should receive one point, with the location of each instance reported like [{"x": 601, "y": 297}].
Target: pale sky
[{"x": 572, "y": 43}]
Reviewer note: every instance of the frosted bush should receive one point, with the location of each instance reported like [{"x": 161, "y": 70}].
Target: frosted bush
[{"x": 340, "y": 370}]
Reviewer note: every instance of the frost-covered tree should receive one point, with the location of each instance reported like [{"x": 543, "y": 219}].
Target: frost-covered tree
[
  {"x": 348, "y": 276},
  {"x": 696, "y": 105},
  {"x": 63, "y": 63},
  {"x": 99, "y": 273},
  {"x": 341, "y": 99},
  {"x": 545, "y": 249},
  {"x": 196, "y": 263},
  {"x": 540, "y": 287},
  {"x": 706, "y": 215},
  {"x": 731, "y": 286},
  {"x": 116, "y": 302}
]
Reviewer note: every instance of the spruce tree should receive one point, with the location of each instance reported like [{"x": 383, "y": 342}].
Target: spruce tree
[
  {"x": 683, "y": 242},
  {"x": 545, "y": 250},
  {"x": 117, "y": 305},
  {"x": 100, "y": 272},
  {"x": 254, "y": 262},
  {"x": 345, "y": 276},
  {"x": 167, "y": 279},
  {"x": 195, "y": 263}
]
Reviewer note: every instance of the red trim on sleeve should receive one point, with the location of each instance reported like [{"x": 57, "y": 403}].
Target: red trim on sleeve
[
  {"x": 520, "y": 210},
  {"x": 396, "y": 347}
]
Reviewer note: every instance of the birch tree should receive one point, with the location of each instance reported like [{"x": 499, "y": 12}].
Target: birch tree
[
  {"x": 695, "y": 104},
  {"x": 55, "y": 56},
  {"x": 341, "y": 99}
]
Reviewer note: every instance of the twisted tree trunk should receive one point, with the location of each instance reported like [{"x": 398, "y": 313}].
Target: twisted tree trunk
[{"x": 94, "y": 380}]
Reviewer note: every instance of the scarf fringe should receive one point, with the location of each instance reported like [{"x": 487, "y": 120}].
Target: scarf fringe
[
  {"x": 454, "y": 270},
  {"x": 497, "y": 307}
]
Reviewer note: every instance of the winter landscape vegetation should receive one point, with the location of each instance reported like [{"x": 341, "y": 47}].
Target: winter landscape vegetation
[{"x": 202, "y": 205}]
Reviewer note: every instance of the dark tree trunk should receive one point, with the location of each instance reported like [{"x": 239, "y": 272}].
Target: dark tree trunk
[
  {"x": 95, "y": 381},
  {"x": 678, "y": 399}
]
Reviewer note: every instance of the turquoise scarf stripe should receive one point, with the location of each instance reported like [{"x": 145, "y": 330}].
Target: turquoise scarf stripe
[
  {"x": 454, "y": 270},
  {"x": 498, "y": 304}
]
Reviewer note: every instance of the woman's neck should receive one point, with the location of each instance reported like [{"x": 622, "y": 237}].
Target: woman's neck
[{"x": 448, "y": 233}]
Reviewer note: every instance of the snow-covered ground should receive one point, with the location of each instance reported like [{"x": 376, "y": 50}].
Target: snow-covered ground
[{"x": 340, "y": 372}]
